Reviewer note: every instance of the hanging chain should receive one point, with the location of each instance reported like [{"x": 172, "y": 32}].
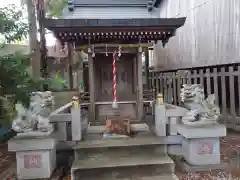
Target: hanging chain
[
  {"x": 74, "y": 48},
  {"x": 106, "y": 51},
  {"x": 119, "y": 51},
  {"x": 93, "y": 53}
]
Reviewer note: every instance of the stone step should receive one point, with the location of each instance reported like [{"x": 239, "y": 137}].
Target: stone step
[
  {"x": 125, "y": 142},
  {"x": 123, "y": 167},
  {"x": 117, "y": 152},
  {"x": 161, "y": 177}
]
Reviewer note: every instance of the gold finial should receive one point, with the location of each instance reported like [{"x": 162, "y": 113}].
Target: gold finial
[
  {"x": 159, "y": 99},
  {"x": 75, "y": 102}
]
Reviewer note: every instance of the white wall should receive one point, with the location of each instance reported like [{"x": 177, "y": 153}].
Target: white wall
[{"x": 210, "y": 35}]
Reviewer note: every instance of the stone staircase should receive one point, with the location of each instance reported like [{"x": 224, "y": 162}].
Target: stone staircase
[{"x": 137, "y": 158}]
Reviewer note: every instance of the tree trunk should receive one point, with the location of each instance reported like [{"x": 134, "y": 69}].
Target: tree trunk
[
  {"x": 33, "y": 42},
  {"x": 43, "y": 49}
]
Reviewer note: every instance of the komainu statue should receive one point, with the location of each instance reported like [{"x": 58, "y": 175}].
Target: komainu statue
[
  {"x": 201, "y": 111},
  {"x": 35, "y": 118}
]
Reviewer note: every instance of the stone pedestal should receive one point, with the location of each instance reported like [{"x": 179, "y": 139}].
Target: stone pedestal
[
  {"x": 160, "y": 120},
  {"x": 201, "y": 145},
  {"x": 35, "y": 155}
]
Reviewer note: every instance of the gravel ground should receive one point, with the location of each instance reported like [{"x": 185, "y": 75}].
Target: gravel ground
[
  {"x": 230, "y": 153},
  {"x": 6, "y": 158}
]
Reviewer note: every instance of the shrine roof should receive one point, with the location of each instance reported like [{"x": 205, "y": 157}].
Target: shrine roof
[
  {"x": 114, "y": 23},
  {"x": 110, "y": 13},
  {"x": 101, "y": 5},
  {"x": 109, "y": 30},
  {"x": 78, "y": 3}
]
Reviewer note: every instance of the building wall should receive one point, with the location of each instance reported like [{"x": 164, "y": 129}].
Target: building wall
[{"x": 210, "y": 36}]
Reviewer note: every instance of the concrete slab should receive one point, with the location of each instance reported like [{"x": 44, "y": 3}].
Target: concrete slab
[
  {"x": 103, "y": 162},
  {"x": 17, "y": 144},
  {"x": 135, "y": 141},
  {"x": 161, "y": 177},
  {"x": 190, "y": 132}
]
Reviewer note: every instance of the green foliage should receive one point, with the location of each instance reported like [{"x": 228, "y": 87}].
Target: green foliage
[
  {"x": 57, "y": 83},
  {"x": 54, "y": 7},
  {"x": 15, "y": 79},
  {"x": 12, "y": 26}
]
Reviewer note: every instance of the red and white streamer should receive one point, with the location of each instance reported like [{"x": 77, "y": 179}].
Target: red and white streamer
[{"x": 114, "y": 80}]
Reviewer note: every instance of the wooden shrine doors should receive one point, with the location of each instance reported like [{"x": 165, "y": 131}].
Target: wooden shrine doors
[
  {"x": 104, "y": 79},
  {"x": 104, "y": 86}
]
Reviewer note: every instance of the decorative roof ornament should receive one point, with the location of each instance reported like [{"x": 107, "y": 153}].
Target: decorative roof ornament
[
  {"x": 150, "y": 5},
  {"x": 70, "y": 5}
]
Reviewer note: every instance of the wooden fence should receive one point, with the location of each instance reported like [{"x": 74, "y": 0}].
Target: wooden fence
[{"x": 223, "y": 81}]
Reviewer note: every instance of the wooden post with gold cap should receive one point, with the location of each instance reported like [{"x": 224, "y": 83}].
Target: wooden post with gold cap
[
  {"x": 160, "y": 116},
  {"x": 76, "y": 119}
]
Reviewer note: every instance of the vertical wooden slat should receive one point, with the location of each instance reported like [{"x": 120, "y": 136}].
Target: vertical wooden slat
[
  {"x": 179, "y": 88},
  {"x": 223, "y": 89},
  {"x": 189, "y": 77},
  {"x": 201, "y": 77},
  {"x": 232, "y": 95},
  {"x": 239, "y": 90},
  {"x": 184, "y": 79},
  {"x": 91, "y": 85},
  {"x": 153, "y": 76},
  {"x": 174, "y": 88},
  {"x": 70, "y": 64},
  {"x": 135, "y": 75},
  {"x": 215, "y": 82},
  {"x": 208, "y": 77},
  {"x": 165, "y": 88},
  {"x": 150, "y": 81},
  {"x": 195, "y": 76},
  {"x": 147, "y": 67},
  {"x": 160, "y": 83},
  {"x": 139, "y": 84},
  {"x": 170, "y": 88},
  {"x": 157, "y": 82}
]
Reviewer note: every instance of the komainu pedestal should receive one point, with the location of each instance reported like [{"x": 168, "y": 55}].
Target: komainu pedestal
[
  {"x": 201, "y": 145},
  {"x": 35, "y": 155}
]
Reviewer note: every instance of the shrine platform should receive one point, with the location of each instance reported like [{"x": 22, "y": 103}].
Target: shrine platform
[{"x": 141, "y": 156}]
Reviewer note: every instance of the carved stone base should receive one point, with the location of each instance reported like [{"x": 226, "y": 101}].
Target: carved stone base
[
  {"x": 117, "y": 126},
  {"x": 201, "y": 146}
]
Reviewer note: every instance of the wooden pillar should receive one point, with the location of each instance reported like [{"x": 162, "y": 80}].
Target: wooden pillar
[
  {"x": 70, "y": 62},
  {"x": 81, "y": 89},
  {"x": 147, "y": 67},
  {"x": 91, "y": 86},
  {"x": 139, "y": 85}
]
